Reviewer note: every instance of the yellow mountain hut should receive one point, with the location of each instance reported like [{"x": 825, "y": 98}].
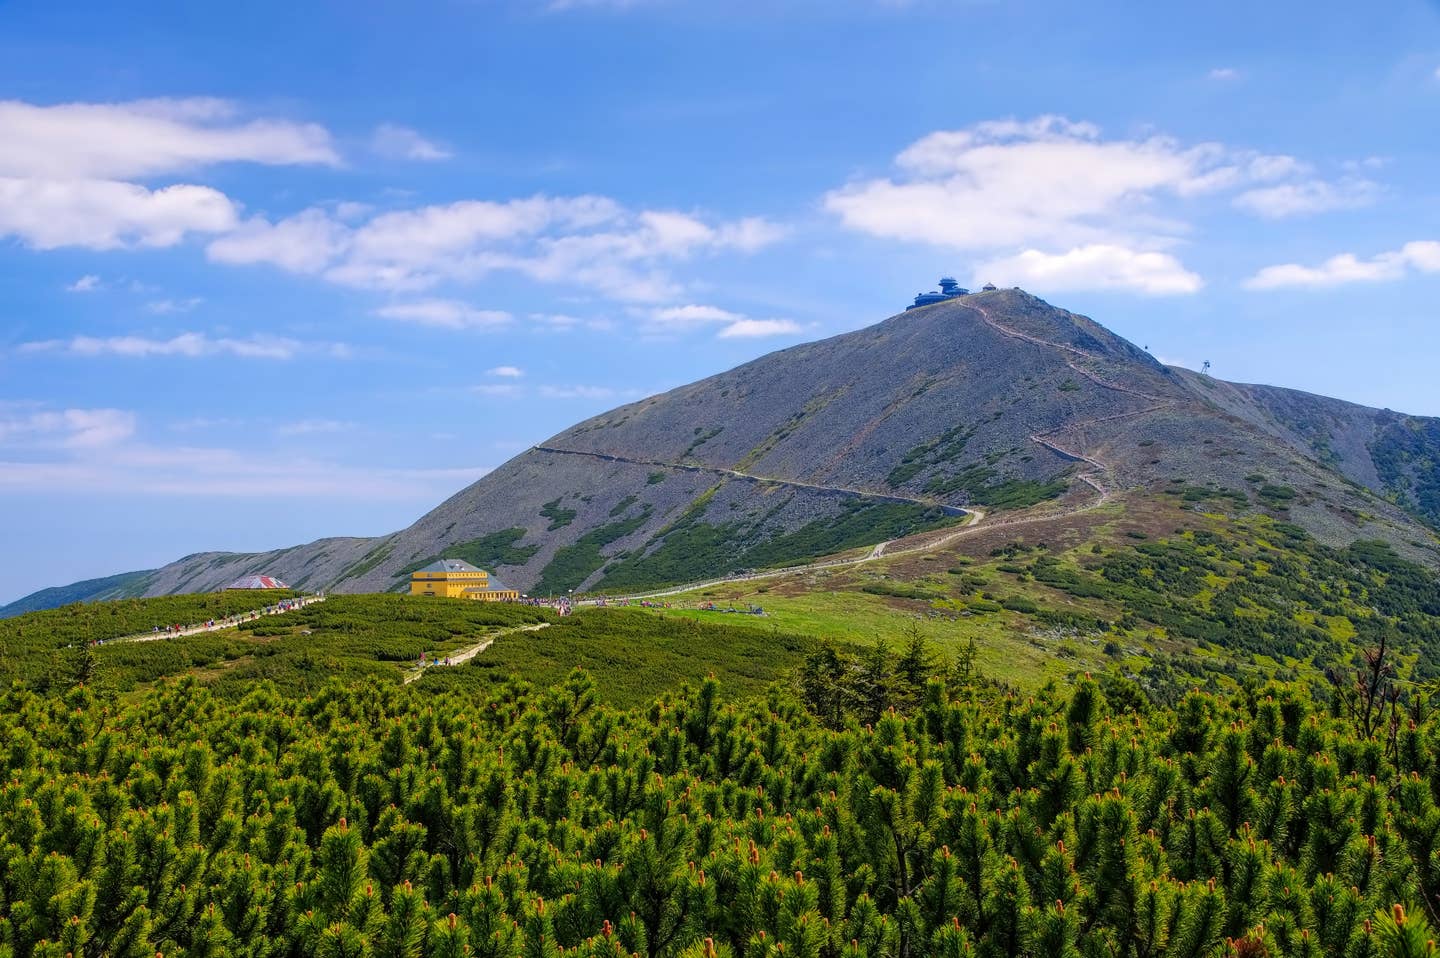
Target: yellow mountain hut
[{"x": 458, "y": 579}]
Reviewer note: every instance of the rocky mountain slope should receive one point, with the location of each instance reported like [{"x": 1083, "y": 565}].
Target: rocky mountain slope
[{"x": 994, "y": 401}]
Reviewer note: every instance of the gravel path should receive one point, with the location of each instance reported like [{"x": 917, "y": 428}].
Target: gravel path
[
  {"x": 469, "y": 652},
  {"x": 229, "y": 622}
]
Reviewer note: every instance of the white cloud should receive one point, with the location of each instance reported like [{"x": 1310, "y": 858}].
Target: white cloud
[
  {"x": 164, "y": 307},
  {"x": 1048, "y": 180},
  {"x": 85, "y": 284},
  {"x": 694, "y": 313},
  {"x": 105, "y": 214},
  {"x": 1050, "y": 193},
  {"x": 184, "y": 345},
  {"x": 69, "y": 428},
  {"x": 142, "y": 138},
  {"x": 65, "y": 170},
  {"x": 311, "y": 427},
  {"x": 506, "y": 372},
  {"x": 1224, "y": 74},
  {"x": 401, "y": 142},
  {"x": 733, "y": 325},
  {"x": 587, "y": 242},
  {"x": 1308, "y": 196},
  {"x": 755, "y": 328},
  {"x": 1096, "y": 266},
  {"x": 304, "y": 243},
  {"x": 1421, "y": 256},
  {"x": 445, "y": 314}
]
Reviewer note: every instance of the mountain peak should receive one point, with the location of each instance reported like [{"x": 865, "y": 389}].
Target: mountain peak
[{"x": 992, "y": 401}]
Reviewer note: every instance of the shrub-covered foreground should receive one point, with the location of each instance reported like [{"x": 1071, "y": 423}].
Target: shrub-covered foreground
[{"x": 377, "y": 820}]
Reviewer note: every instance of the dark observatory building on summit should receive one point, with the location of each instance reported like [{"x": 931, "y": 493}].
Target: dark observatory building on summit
[{"x": 949, "y": 289}]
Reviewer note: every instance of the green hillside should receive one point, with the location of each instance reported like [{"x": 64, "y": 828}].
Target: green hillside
[{"x": 1166, "y": 727}]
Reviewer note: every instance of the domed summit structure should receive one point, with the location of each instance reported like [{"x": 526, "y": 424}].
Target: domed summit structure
[{"x": 949, "y": 289}]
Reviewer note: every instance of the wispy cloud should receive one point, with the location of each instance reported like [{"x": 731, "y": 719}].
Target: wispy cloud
[
  {"x": 732, "y": 325},
  {"x": 401, "y": 142},
  {"x": 759, "y": 328},
  {"x": 98, "y": 450},
  {"x": 445, "y": 314},
  {"x": 1421, "y": 256},
  {"x": 579, "y": 391},
  {"x": 506, "y": 372},
  {"x": 184, "y": 345},
  {"x": 1308, "y": 196},
  {"x": 497, "y": 389},
  {"x": 85, "y": 284},
  {"x": 67, "y": 428},
  {"x": 311, "y": 427},
  {"x": 1224, "y": 74},
  {"x": 164, "y": 307}
]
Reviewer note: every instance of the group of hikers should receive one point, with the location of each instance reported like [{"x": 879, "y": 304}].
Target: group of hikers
[
  {"x": 284, "y": 605},
  {"x": 210, "y": 625},
  {"x": 563, "y": 605}
]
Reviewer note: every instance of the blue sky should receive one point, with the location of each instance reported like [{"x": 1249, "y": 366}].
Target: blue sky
[{"x": 276, "y": 271}]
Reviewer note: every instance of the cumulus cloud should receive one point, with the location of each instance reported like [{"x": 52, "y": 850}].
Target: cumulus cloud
[
  {"x": 401, "y": 142},
  {"x": 304, "y": 243},
  {"x": 142, "y": 138},
  {"x": 1421, "y": 256},
  {"x": 106, "y": 214},
  {"x": 67, "y": 172},
  {"x": 1050, "y": 192},
  {"x": 184, "y": 345},
  {"x": 589, "y": 242},
  {"x": 506, "y": 372},
  {"x": 85, "y": 284},
  {"x": 1096, "y": 266},
  {"x": 444, "y": 313}
]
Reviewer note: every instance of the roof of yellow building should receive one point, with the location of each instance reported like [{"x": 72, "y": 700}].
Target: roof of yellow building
[{"x": 449, "y": 565}]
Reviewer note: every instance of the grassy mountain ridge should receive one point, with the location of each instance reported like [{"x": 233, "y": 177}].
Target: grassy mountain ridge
[{"x": 997, "y": 400}]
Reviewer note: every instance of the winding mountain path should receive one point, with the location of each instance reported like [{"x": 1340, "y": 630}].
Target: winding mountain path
[
  {"x": 1100, "y": 475},
  {"x": 469, "y": 652},
  {"x": 766, "y": 480},
  {"x": 1102, "y": 478}
]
